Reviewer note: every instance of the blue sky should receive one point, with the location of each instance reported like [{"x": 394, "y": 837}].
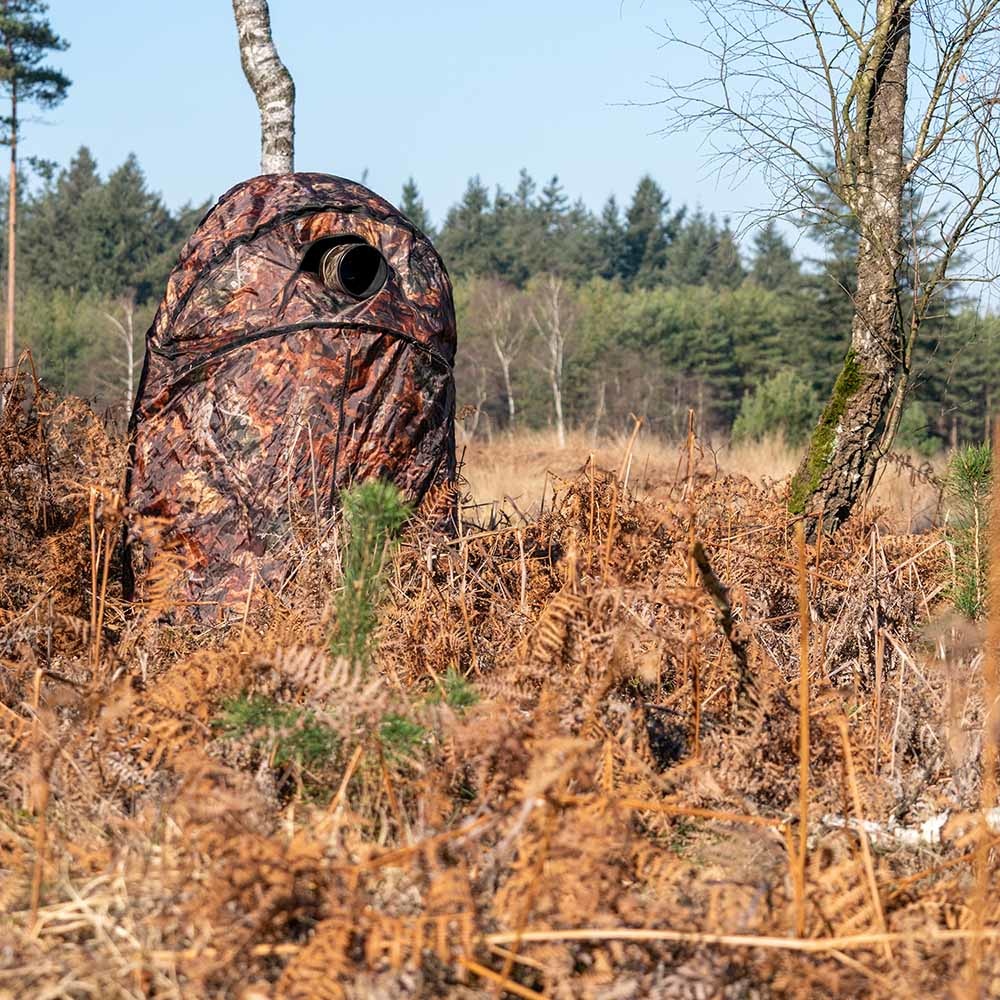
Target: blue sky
[{"x": 439, "y": 90}]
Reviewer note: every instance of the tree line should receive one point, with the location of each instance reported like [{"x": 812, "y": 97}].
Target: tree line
[
  {"x": 567, "y": 317},
  {"x": 94, "y": 253},
  {"x": 900, "y": 183},
  {"x": 574, "y": 318}
]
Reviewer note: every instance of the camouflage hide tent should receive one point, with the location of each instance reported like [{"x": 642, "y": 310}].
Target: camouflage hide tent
[{"x": 306, "y": 341}]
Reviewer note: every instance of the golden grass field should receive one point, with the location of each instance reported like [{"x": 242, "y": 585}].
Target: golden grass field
[
  {"x": 573, "y": 767},
  {"x": 516, "y": 471}
]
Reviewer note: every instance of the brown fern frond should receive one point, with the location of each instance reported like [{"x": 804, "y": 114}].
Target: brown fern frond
[
  {"x": 548, "y": 644},
  {"x": 838, "y": 890},
  {"x": 439, "y": 504},
  {"x": 313, "y": 973}
]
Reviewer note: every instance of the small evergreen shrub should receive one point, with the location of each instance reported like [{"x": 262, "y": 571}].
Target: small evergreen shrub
[
  {"x": 292, "y": 734},
  {"x": 455, "y": 691},
  {"x": 968, "y": 490},
  {"x": 401, "y": 737},
  {"x": 785, "y": 403}
]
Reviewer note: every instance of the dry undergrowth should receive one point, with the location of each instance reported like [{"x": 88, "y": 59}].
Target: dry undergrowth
[
  {"x": 515, "y": 472},
  {"x": 607, "y": 805}
]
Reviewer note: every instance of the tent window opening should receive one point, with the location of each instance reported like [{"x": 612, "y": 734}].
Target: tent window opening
[{"x": 347, "y": 266}]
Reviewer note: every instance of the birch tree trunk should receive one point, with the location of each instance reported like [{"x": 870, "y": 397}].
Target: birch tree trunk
[
  {"x": 840, "y": 464},
  {"x": 552, "y": 323},
  {"x": 500, "y": 308},
  {"x": 508, "y": 386},
  {"x": 556, "y": 381},
  {"x": 126, "y": 332},
  {"x": 271, "y": 84}
]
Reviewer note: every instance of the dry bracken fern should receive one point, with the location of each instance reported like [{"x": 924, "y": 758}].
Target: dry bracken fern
[{"x": 551, "y": 737}]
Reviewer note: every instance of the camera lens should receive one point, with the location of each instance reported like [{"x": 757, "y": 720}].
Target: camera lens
[{"x": 354, "y": 269}]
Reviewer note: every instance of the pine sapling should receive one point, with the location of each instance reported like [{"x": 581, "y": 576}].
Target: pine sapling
[
  {"x": 373, "y": 514},
  {"x": 969, "y": 481}
]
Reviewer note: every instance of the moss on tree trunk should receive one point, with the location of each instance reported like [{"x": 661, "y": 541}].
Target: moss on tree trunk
[
  {"x": 839, "y": 468},
  {"x": 821, "y": 445}
]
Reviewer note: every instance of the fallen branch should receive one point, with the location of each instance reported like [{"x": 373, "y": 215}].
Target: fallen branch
[
  {"x": 844, "y": 943},
  {"x": 936, "y": 831}
]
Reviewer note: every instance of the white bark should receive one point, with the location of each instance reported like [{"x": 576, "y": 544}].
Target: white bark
[
  {"x": 552, "y": 326},
  {"x": 508, "y": 388},
  {"x": 506, "y": 333},
  {"x": 126, "y": 332},
  {"x": 599, "y": 410},
  {"x": 271, "y": 84}
]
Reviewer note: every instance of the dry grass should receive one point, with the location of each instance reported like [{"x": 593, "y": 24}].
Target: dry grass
[
  {"x": 615, "y": 815},
  {"x": 515, "y": 472}
]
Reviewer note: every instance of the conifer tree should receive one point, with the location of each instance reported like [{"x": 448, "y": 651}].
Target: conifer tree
[
  {"x": 611, "y": 240},
  {"x": 692, "y": 250},
  {"x": 725, "y": 267},
  {"x": 469, "y": 237},
  {"x": 110, "y": 238},
  {"x": 552, "y": 205},
  {"x": 831, "y": 288},
  {"x": 773, "y": 267},
  {"x": 412, "y": 206},
  {"x": 520, "y": 232},
  {"x": 712, "y": 359},
  {"x": 135, "y": 229},
  {"x": 579, "y": 246},
  {"x": 26, "y": 38},
  {"x": 57, "y": 242},
  {"x": 649, "y": 231}
]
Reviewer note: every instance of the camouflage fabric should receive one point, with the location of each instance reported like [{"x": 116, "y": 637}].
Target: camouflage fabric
[{"x": 263, "y": 388}]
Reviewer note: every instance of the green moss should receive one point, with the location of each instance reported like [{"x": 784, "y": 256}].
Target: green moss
[{"x": 807, "y": 479}]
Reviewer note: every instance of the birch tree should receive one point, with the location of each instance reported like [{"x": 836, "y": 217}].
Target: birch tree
[
  {"x": 271, "y": 83},
  {"x": 552, "y": 316},
  {"x": 124, "y": 327},
  {"x": 474, "y": 375},
  {"x": 26, "y": 37},
  {"x": 850, "y": 106},
  {"x": 498, "y": 313}
]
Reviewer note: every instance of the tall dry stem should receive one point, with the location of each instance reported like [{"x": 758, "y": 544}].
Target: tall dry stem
[
  {"x": 691, "y": 662},
  {"x": 866, "y": 852},
  {"x": 40, "y": 801},
  {"x": 800, "y": 539},
  {"x": 991, "y": 723}
]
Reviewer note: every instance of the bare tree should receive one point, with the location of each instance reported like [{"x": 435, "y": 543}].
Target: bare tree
[
  {"x": 271, "y": 84},
  {"x": 855, "y": 104},
  {"x": 497, "y": 311},
  {"x": 552, "y": 316},
  {"x": 125, "y": 328},
  {"x": 474, "y": 374}
]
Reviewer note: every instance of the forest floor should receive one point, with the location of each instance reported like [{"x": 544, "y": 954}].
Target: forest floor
[{"x": 571, "y": 770}]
